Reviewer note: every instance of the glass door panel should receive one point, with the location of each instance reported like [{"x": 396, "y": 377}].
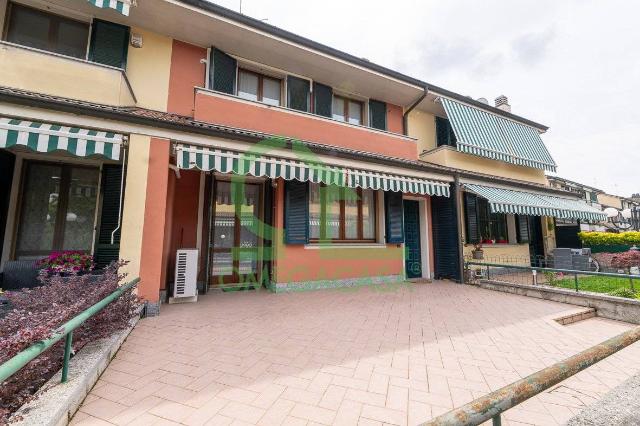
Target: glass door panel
[
  {"x": 39, "y": 211},
  {"x": 235, "y": 237},
  {"x": 81, "y": 209}
]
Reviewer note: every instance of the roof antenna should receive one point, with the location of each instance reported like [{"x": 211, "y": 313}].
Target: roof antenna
[{"x": 240, "y": 6}]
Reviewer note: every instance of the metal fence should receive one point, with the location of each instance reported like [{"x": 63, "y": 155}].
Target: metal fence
[
  {"x": 65, "y": 331},
  {"x": 590, "y": 275}
]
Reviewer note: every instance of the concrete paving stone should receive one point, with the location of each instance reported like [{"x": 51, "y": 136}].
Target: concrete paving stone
[{"x": 364, "y": 357}]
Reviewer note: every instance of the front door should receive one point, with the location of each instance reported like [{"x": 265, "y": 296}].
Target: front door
[
  {"x": 235, "y": 241},
  {"x": 536, "y": 242},
  {"x": 413, "y": 255}
]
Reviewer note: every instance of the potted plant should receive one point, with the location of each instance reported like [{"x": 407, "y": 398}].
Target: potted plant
[
  {"x": 67, "y": 263},
  {"x": 477, "y": 251}
]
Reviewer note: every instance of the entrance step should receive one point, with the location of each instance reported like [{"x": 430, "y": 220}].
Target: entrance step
[{"x": 578, "y": 315}]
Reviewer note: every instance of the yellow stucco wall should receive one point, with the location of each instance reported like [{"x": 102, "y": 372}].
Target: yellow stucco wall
[
  {"x": 422, "y": 127},
  {"x": 56, "y": 75},
  {"x": 148, "y": 69},
  {"x": 609, "y": 201},
  {"x": 448, "y": 156},
  {"x": 134, "y": 202},
  {"x": 512, "y": 254}
]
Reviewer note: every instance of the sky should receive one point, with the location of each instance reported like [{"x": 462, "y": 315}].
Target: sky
[{"x": 573, "y": 65}]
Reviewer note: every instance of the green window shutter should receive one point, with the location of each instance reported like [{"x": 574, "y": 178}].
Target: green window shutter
[
  {"x": 471, "y": 218},
  {"x": 522, "y": 228},
  {"x": 393, "y": 217},
  {"x": 298, "y": 93},
  {"x": 222, "y": 72},
  {"x": 296, "y": 212},
  {"x": 322, "y": 99},
  {"x": 105, "y": 252},
  {"x": 444, "y": 133},
  {"x": 378, "y": 115},
  {"x": 109, "y": 44}
]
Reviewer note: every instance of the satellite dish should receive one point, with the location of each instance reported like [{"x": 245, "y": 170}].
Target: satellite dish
[
  {"x": 483, "y": 100},
  {"x": 611, "y": 212}
]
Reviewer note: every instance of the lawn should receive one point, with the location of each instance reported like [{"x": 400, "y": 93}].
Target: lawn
[{"x": 598, "y": 284}]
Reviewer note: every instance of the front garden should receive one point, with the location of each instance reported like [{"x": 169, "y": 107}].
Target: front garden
[
  {"x": 621, "y": 263},
  {"x": 67, "y": 286}
]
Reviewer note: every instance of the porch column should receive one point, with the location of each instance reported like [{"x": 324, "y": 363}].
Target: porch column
[{"x": 144, "y": 215}]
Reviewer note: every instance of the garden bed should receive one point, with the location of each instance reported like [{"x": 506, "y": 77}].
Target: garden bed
[{"x": 35, "y": 314}]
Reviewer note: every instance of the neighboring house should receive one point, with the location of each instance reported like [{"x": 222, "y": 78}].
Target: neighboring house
[
  {"x": 567, "y": 229},
  {"x": 123, "y": 127}
]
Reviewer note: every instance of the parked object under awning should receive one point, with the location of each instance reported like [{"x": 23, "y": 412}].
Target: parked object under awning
[
  {"x": 485, "y": 134},
  {"x": 43, "y": 137},
  {"x": 121, "y": 6},
  {"x": 533, "y": 204},
  {"x": 205, "y": 159}
]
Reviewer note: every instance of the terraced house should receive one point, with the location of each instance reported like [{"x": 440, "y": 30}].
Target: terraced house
[{"x": 135, "y": 130}]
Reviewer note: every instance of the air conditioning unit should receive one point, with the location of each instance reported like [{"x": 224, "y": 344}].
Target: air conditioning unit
[{"x": 185, "y": 286}]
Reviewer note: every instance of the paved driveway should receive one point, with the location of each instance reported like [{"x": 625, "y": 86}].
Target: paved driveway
[{"x": 352, "y": 357}]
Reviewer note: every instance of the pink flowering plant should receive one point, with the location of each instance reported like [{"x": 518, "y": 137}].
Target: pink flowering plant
[{"x": 67, "y": 262}]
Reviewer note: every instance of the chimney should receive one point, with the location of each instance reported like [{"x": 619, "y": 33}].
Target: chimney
[{"x": 502, "y": 102}]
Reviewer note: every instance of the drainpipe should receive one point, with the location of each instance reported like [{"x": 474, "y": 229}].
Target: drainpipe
[
  {"x": 124, "y": 170},
  {"x": 459, "y": 219},
  {"x": 405, "y": 116}
]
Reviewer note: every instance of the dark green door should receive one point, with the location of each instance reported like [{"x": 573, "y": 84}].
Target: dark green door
[
  {"x": 536, "y": 242},
  {"x": 413, "y": 256}
]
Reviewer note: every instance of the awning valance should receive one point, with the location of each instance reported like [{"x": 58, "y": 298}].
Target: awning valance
[
  {"x": 482, "y": 133},
  {"x": 121, "y": 6},
  {"x": 43, "y": 137},
  {"x": 194, "y": 157},
  {"x": 529, "y": 203}
]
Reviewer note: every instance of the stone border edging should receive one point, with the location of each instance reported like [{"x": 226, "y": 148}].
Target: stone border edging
[
  {"x": 56, "y": 405},
  {"x": 611, "y": 307}
]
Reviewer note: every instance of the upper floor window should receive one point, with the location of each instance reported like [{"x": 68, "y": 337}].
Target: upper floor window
[
  {"x": 258, "y": 87},
  {"x": 46, "y": 31},
  {"x": 444, "y": 133},
  {"x": 347, "y": 110}
]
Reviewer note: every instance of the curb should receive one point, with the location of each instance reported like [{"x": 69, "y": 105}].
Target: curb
[{"x": 56, "y": 405}]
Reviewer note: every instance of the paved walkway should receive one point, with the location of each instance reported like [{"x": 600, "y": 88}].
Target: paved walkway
[{"x": 351, "y": 357}]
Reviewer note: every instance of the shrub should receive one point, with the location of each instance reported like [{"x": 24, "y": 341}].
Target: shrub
[
  {"x": 627, "y": 259},
  {"x": 624, "y": 292},
  {"x": 609, "y": 238},
  {"x": 67, "y": 262},
  {"x": 38, "y": 312}
]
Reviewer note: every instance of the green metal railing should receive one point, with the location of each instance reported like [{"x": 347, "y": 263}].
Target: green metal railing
[
  {"x": 491, "y": 406},
  {"x": 12, "y": 366},
  {"x": 570, "y": 272}
]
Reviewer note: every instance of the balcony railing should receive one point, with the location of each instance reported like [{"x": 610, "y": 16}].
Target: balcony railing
[
  {"x": 46, "y": 72},
  {"x": 221, "y": 108}
]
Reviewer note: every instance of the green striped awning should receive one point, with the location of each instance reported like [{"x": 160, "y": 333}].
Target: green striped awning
[
  {"x": 42, "y": 137},
  {"x": 121, "y": 6},
  {"x": 533, "y": 204},
  {"x": 192, "y": 157},
  {"x": 485, "y": 134}
]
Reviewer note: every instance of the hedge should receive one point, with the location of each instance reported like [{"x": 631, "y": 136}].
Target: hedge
[{"x": 609, "y": 238}]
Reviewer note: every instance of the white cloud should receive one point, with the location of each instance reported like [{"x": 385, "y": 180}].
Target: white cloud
[{"x": 572, "y": 65}]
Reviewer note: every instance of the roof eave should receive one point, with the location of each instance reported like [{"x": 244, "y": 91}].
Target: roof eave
[{"x": 294, "y": 38}]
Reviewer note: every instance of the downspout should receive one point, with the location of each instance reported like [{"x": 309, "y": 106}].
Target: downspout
[
  {"x": 405, "y": 116},
  {"x": 124, "y": 170},
  {"x": 459, "y": 219}
]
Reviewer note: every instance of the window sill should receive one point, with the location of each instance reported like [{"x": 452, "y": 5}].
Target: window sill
[{"x": 325, "y": 246}]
